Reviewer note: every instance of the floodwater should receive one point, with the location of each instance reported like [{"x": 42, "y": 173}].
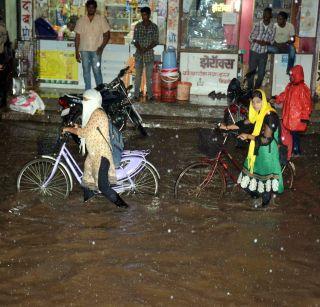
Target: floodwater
[{"x": 160, "y": 251}]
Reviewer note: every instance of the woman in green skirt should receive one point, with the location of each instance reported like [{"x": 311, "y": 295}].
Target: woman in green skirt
[{"x": 261, "y": 174}]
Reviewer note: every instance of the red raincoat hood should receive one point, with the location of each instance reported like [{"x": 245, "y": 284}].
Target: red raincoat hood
[{"x": 297, "y": 74}]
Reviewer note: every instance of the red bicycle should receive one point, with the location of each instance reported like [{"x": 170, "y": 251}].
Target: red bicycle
[{"x": 209, "y": 178}]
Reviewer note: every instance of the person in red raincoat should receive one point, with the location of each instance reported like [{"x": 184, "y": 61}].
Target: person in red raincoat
[{"x": 297, "y": 106}]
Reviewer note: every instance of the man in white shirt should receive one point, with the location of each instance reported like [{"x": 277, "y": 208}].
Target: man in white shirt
[
  {"x": 92, "y": 35},
  {"x": 284, "y": 39}
]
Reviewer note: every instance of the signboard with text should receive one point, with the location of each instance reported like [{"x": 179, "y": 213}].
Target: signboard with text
[
  {"x": 26, "y": 20},
  {"x": 318, "y": 76},
  {"x": 59, "y": 69},
  {"x": 208, "y": 72}
]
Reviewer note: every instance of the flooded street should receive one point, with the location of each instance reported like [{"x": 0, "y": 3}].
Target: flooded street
[{"x": 160, "y": 251}]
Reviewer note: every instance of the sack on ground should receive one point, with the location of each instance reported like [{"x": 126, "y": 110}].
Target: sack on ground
[
  {"x": 117, "y": 145},
  {"x": 29, "y": 103}
]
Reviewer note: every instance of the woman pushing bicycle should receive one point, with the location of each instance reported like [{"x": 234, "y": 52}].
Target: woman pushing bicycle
[
  {"x": 261, "y": 174},
  {"x": 99, "y": 170}
]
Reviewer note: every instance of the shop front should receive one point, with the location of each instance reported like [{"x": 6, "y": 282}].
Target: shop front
[
  {"x": 209, "y": 44},
  {"x": 214, "y": 45},
  {"x": 55, "y": 60},
  {"x": 211, "y": 38}
]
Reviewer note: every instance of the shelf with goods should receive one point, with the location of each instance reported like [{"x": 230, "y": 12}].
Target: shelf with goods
[
  {"x": 120, "y": 17},
  {"x": 276, "y": 5}
]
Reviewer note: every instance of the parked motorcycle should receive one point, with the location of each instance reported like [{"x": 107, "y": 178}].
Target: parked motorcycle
[
  {"x": 116, "y": 102},
  {"x": 238, "y": 100}
]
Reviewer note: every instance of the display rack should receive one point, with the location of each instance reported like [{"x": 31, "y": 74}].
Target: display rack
[
  {"x": 120, "y": 16},
  {"x": 276, "y": 5}
]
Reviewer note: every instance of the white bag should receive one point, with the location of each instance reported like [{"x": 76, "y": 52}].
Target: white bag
[{"x": 29, "y": 103}]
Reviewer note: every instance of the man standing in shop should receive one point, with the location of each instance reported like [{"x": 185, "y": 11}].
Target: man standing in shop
[
  {"x": 260, "y": 38},
  {"x": 284, "y": 39},
  {"x": 145, "y": 38},
  {"x": 92, "y": 35}
]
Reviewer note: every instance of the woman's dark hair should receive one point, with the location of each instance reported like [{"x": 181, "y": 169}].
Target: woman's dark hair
[
  {"x": 257, "y": 94},
  {"x": 146, "y": 10},
  {"x": 91, "y": 2},
  {"x": 284, "y": 15}
]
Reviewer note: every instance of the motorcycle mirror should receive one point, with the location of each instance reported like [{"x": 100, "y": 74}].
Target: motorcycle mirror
[
  {"x": 123, "y": 71},
  {"x": 129, "y": 88}
]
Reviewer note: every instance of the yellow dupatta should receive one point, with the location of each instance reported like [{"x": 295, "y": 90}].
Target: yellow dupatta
[{"x": 257, "y": 118}]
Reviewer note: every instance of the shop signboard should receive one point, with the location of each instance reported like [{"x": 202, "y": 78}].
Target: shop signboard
[
  {"x": 208, "y": 72},
  {"x": 26, "y": 20},
  {"x": 318, "y": 76},
  {"x": 308, "y": 18},
  {"x": 58, "y": 66},
  {"x": 173, "y": 23}
]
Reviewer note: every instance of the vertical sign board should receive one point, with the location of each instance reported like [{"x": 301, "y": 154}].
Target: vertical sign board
[
  {"x": 26, "y": 20},
  {"x": 173, "y": 23},
  {"x": 208, "y": 72},
  {"x": 318, "y": 76}
]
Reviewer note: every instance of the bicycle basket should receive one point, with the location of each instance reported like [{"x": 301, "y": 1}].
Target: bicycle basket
[
  {"x": 209, "y": 141},
  {"x": 48, "y": 145}
]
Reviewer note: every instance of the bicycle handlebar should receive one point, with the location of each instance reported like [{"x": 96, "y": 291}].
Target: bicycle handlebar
[{"x": 233, "y": 132}]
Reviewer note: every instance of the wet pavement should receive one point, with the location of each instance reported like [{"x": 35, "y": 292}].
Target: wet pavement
[{"x": 160, "y": 251}]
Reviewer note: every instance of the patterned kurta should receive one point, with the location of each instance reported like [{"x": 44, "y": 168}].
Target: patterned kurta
[{"x": 97, "y": 147}]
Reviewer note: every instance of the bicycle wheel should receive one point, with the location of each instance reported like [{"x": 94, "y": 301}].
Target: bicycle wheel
[
  {"x": 191, "y": 182},
  {"x": 146, "y": 182},
  {"x": 288, "y": 175},
  {"x": 35, "y": 173}
]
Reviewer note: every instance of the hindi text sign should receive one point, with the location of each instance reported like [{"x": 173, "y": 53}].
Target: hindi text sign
[
  {"x": 208, "y": 72},
  {"x": 26, "y": 19}
]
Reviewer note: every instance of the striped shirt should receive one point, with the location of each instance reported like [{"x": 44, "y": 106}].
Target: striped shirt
[
  {"x": 145, "y": 36},
  {"x": 261, "y": 32}
]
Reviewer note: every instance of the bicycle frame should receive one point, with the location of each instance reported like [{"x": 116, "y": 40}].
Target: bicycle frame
[
  {"x": 136, "y": 162},
  {"x": 220, "y": 161}
]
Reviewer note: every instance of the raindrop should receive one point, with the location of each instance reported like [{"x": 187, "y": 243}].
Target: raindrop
[
  {"x": 255, "y": 240},
  {"x": 169, "y": 230},
  {"x": 270, "y": 270},
  {"x": 281, "y": 248},
  {"x": 171, "y": 297}
]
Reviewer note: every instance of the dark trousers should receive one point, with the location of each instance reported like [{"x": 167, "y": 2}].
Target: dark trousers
[
  {"x": 285, "y": 48},
  {"x": 103, "y": 183},
  {"x": 266, "y": 196},
  {"x": 296, "y": 142},
  {"x": 257, "y": 61}
]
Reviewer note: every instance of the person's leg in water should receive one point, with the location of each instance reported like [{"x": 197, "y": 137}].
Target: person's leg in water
[
  {"x": 296, "y": 143},
  {"x": 88, "y": 194},
  {"x": 266, "y": 197},
  {"x": 104, "y": 185}
]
